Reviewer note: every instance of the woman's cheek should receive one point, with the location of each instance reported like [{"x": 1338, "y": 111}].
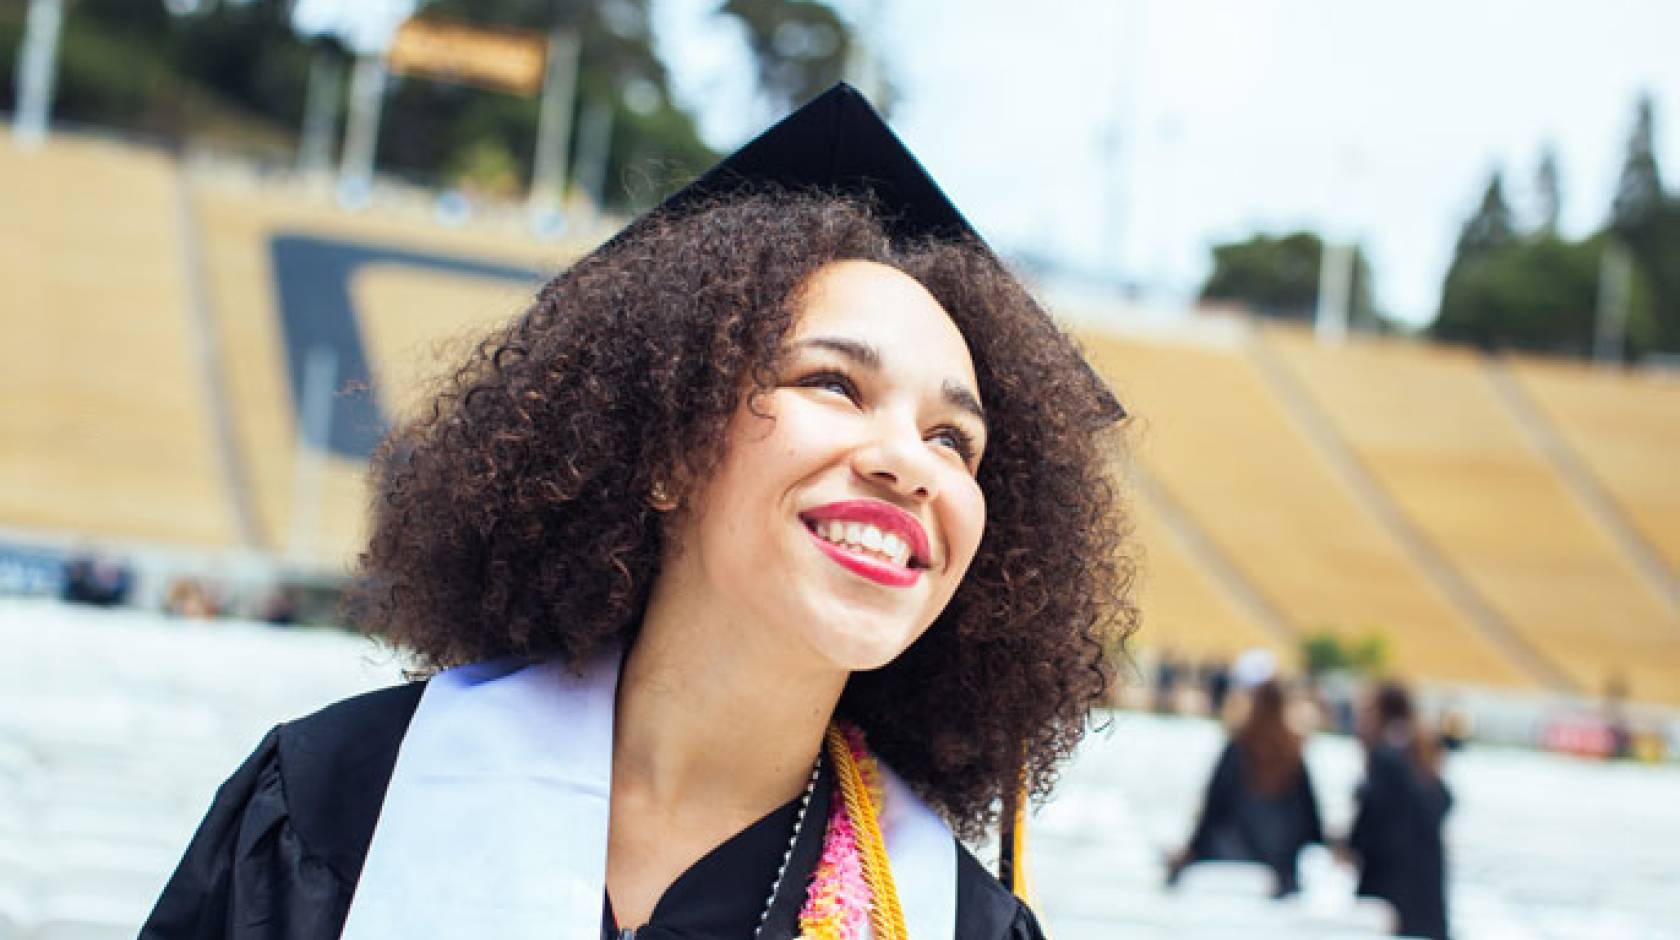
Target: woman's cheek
[{"x": 967, "y": 520}]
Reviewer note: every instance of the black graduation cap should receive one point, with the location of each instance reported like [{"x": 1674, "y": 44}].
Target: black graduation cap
[{"x": 838, "y": 144}]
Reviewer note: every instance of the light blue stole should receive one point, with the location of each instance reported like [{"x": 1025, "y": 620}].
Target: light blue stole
[{"x": 495, "y": 820}]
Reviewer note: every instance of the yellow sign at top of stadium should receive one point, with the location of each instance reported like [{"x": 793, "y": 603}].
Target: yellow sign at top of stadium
[{"x": 497, "y": 59}]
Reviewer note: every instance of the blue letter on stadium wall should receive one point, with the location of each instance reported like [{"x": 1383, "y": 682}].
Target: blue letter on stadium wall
[{"x": 312, "y": 278}]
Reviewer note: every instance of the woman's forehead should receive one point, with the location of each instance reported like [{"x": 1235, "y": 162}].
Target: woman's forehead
[{"x": 887, "y": 311}]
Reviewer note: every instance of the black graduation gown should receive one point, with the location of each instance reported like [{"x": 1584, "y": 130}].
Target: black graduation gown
[
  {"x": 278, "y": 855},
  {"x": 1397, "y": 836},
  {"x": 1240, "y": 824}
]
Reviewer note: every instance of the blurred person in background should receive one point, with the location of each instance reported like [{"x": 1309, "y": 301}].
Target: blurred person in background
[
  {"x": 1259, "y": 805},
  {"x": 1396, "y": 838},
  {"x": 1216, "y": 680},
  {"x": 692, "y": 553},
  {"x": 192, "y": 599},
  {"x": 1168, "y": 670},
  {"x": 1456, "y": 727},
  {"x": 97, "y": 579}
]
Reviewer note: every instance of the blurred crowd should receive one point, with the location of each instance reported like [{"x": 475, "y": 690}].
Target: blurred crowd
[
  {"x": 1608, "y": 728},
  {"x": 1259, "y": 806},
  {"x": 105, "y": 579}
]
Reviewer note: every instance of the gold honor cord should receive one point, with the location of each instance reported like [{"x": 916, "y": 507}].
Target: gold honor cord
[
  {"x": 1012, "y": 850},
  {"x": 1018, "y": 850},
  {"x": 861, "y": 791}
]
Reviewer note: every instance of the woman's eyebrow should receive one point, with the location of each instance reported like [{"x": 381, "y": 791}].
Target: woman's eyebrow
[
  {"x": 958, "y": 396},
  {"x": 858, "y": 351},
  {"x": 866, "y": 355}
]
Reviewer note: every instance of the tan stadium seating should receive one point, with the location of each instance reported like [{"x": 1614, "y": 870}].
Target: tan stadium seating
[
  {"x": 1427, "y": 424},
  {"x": 1252, "y": 529},
  {"x": 1212, "y": 433},
  {"x": 414, "y": 323},
  {"x": 1626, "y": 428},
  {"x": 1185, "y": 612},
  {"x": 106, "y": 427}
]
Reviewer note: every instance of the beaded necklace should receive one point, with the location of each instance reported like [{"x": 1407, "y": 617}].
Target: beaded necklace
[
  {"x": 787, "y": 856},
  {"x": 853, "y": 880}
]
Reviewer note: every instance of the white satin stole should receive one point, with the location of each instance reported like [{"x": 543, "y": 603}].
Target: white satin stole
[{"x": 495, "y": 820}]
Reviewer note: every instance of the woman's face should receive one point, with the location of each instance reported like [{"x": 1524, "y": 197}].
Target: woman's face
[{"x": 845, "y": 511}]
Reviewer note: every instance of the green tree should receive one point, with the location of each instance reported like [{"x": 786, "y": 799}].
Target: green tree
[
  {"x": 1491, "y": 227},
  {"x": 1536, "y": 292},
  {"x": 447, "y": 133},
  {"x": 1639, "y": 193},
  {"x": 236, "y": 72},
  {"x": 1328, "y": 650},
  {"x": 1540, "y": 294},
  {"x": 1647, "y": 221},
  {"x": 1277, "y": 276},
  {"x": 799, "y": 47}
]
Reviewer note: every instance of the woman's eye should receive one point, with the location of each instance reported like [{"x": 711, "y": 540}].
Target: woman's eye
[
  {"x": 956, "y": 439},
  {"x": 831, "y": 382}
]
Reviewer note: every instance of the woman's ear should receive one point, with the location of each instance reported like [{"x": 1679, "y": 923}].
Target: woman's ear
[{"x": 660, "y": 498}]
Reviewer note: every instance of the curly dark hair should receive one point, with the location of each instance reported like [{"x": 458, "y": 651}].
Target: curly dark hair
[{"x": 512, "y": 519}]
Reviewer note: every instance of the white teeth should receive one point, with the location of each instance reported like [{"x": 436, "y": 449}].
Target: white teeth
[
  {"x": 872, "y": 538},
  {"x": 861, "y": 537}
]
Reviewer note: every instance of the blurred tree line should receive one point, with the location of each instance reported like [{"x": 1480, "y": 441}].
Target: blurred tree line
[
  {"x": 1278, "y": 277},
  {"x": 1525, "y": 286},
  {"x": 1514, "y": 283},
  {"x": 235, "y": 71}
]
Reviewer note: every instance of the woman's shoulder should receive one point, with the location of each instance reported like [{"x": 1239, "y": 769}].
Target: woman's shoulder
[
  {"x": 353, "y": 735},
  {"x": 335, "y": 765},
  {"x": 296, "y": 817},
  {"x": 987, "y": 909}
]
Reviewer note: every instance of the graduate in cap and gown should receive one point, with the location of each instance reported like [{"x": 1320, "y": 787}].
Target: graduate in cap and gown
[
  {"x": 1259, "y": 804},
  {"x": 1397, "y": 838},
  {"x": 768, "y": 556}
]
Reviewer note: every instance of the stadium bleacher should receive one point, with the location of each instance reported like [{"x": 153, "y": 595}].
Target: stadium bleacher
[
  {"x": 1626, "y": 429},
  {"x": 1210, "y": 431},
  {"x": 402, "y": 306},
  {"x": 1428, "y": 426},
  {"x": 153, "y": 317},
  {"x": 106, "y": 427},
  {"x": 1185, "y": 611}
]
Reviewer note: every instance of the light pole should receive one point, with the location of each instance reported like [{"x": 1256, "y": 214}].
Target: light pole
[{"x": 36, "y": 70}]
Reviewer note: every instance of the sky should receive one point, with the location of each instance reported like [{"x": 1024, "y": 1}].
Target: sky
[{"x": 1128, "y": 136}]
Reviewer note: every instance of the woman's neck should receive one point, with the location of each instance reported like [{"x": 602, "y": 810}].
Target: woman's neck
[{"x": 707, "y": 718}]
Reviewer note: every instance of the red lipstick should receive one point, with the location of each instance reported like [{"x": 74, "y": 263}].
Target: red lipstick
[{"x": 883, "y": 516}]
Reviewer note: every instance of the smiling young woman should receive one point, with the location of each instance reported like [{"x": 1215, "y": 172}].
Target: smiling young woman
[{"x": 771, "y": 548}]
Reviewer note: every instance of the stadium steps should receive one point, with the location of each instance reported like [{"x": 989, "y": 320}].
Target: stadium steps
[
  {"x": 1618, "y": 433},
  {"x": 1428, "y": 427},
  {"x": 1219, "y": 445},
  {"x": 1194, "y": 601},
  {"x": 1441, "y": 573},
  {"x": 107, "y": 430}
]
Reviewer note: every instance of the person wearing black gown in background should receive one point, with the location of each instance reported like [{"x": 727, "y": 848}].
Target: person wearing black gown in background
[
  {"x": 1396, "y": 837},
  {"x": 1259, "y": 804},
  {"x": 779, "y": 530}
]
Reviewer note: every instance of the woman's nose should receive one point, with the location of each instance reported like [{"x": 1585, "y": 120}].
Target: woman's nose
[{"x": 898, "y": 460}]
